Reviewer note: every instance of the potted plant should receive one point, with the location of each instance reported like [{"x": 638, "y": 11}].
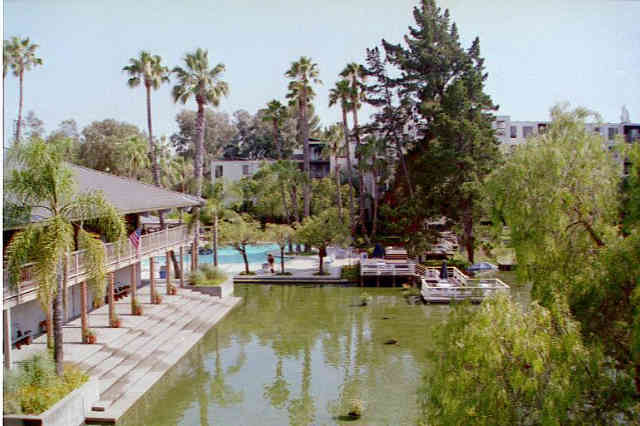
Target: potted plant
[
  {"x": 157, "y": 299},
  {"x": 89, "y": 337},
  {"x": 137, "y": 307},
  {"x": 115, "y": 322},
  {"x": 172, "y": 290}
]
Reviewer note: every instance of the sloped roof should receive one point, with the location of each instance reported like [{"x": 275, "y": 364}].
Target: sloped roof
[{"x": 129, "y": 195}]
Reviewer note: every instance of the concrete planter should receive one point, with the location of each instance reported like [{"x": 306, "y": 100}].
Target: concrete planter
[
  {"x": 69, "y": 411},
  {"x": 211, "y": 291}
]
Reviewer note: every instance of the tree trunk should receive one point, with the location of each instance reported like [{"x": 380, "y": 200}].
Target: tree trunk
[
  {"x": 198, "y": 171},
  {"x": 469, "y": 238},
  {"x": 58, "y": 354},
  {"x": 294, "y": 205},
  {"x": 403, "y": 163},
  {"x": 374, "y": 225},
  {"x": 152, "y": 279},
  {"x": 321, "y": 269},
  {"x": 282, "y": 260},
  {"x": 49, "y": 319},
  {"x": 176, "y": 264},
  {"x": 354, "y": 100},
  {"x": 337, "y": 171},
  {"x": 349, "y": 168},
  {"x": 246, "y": 261},
  {"x": 84, "y": 321},
  {"x": 215, "y": 239},
  {"x": 112, "y": 306},
  {"x": 275, "y": 138},
  {"x": 307, "y": 154},
  {"x": 19, "y": 128}
]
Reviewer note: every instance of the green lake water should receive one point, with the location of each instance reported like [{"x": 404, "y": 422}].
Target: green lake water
[{"x": 298, "y": 355}]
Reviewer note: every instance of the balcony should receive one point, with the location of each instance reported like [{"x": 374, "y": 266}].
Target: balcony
[{"x": 152, "y": 244}]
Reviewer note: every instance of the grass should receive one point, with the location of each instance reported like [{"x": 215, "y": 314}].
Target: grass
[
  {"x": 207, "y": 276},
  {"x": 34, "y": 387}
]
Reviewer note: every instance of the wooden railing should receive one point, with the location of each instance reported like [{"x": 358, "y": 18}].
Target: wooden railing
[{"x": 115, "y": 253}]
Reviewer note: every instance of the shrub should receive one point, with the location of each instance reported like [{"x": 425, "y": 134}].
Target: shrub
[
  {"x": 350, "y": 272},
  {"x": 461, "y": 264},
  {"x": 207, "y": 276},
  {"x": 34, "y": 387}
]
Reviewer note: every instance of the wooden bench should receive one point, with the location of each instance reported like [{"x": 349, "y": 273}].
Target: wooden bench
[{"x": 22, "y": 339}]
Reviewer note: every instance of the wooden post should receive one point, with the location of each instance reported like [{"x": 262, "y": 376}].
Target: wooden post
[
  {"x": 181, "y": 267},
  {"x": 152, "y": 279},
  {"x": 83, "y": 307},
  {"x": 112, "y": 307},
  {"x": 194, "y": 257},
  {"x": 133, "y": 287},
  {"x": 6, "y": 331},
  {"x": 168, "y": 268}
]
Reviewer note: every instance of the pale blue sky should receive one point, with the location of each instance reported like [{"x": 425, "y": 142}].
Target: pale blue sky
[{"x": 537, "y": 53}]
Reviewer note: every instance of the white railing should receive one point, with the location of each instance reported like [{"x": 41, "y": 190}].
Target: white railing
[
  {"x": 115, "y": 254},
  {"x": 473, "y": 289},
  {"x": 381, "y": 267}
]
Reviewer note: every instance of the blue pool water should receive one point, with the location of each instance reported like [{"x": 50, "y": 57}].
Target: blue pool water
[{"x": 229, "y": 256}]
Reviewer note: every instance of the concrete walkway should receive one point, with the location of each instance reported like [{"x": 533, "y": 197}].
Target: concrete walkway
[{"x": 128, "y": 360}]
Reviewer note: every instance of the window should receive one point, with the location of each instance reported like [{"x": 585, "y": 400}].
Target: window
[
  {"x": 514, "y": 131},
  {"x": 527, "y": 131},
  {"x": 245, "y": 170},
  {"x": 219, "y": 171},
  {"x": 612, "y": 133},
  {"x": 542, "y": 127}
]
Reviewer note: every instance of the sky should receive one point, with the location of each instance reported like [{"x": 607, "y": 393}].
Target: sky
[{"x": 586, "y": 52}]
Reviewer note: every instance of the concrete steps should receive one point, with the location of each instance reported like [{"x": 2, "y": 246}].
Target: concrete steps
[{"x": 129, "y": 367}]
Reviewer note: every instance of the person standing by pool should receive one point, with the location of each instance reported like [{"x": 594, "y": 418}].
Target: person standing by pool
[{"x": 270, "y": 260}]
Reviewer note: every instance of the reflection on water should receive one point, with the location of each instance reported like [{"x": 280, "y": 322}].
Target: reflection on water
[{"x": 299, "y": 355}]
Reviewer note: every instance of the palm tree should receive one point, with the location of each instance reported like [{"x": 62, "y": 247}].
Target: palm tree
[
  {"x": 148, "y": 70},
  {"x": 333, "y": 135},
  {"x": 302, "y": 73},
  {"x": 42, "y": 180},
  {"x": 356, "y": 74},
  {"x": 22, "y": 57},
  {"x": 342, "y": 93},
  {"x": 373, "y": 160},
  {"x": 203, "y": 83},
  {"x": 134, "y": 153},
  {"x": 275, "y": 113}
]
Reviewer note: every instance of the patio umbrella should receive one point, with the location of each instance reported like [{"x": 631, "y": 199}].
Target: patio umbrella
[{"x": 443, "y": 271}]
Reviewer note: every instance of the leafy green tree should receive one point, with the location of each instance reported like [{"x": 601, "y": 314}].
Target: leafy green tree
[
  {"x": 505, "y": 365},
  {"x": 333, "y": 135},
  {"x": 446, "y": 83},
  {"x": 20, "y": 55},
  {"x": 282, "y": 235},
  {"x": 203, "y": 83},
  {"x": 303, "y": 72},
  {"x": 240, "y": 232},
  {"x": 102, "y": 140},
  {"x": 219, "y": 130},
  {"x": 559, "y": 196},
  {"x": 41, "y": 180},
  {"x": 372, "y": 159},
  {"x": 148, "y": 70},
  {"x": 322, "y": 230}
]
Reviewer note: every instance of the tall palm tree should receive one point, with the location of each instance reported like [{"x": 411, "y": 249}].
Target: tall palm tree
[
  {"x": 22, "y": 57},
  {"x": 43, "y": 180},
  {"x": 356, "y": 74},
  {"x": 373, "y": 160},
  {"x": 199, "y": 81},
  {"x": 275, "y": 113},
  {"x": 342, "y": 93},
  {"x": 148, "y": 70},
  {"x": 303, "y": 72}
]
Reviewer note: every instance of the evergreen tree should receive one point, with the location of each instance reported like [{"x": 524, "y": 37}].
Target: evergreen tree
[{"x": 457, "y": 147}]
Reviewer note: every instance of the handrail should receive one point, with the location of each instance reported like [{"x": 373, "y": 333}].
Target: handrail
[{"x": 113, "y": 255}]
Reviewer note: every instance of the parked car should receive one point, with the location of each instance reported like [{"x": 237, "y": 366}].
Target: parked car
[{"x": 482, "y": 267}]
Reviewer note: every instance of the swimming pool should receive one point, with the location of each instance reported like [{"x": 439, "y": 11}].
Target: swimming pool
[{"x": 227, "y": 255}]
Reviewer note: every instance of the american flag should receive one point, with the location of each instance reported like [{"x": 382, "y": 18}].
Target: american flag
[{"x": 135, "y": 238}]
